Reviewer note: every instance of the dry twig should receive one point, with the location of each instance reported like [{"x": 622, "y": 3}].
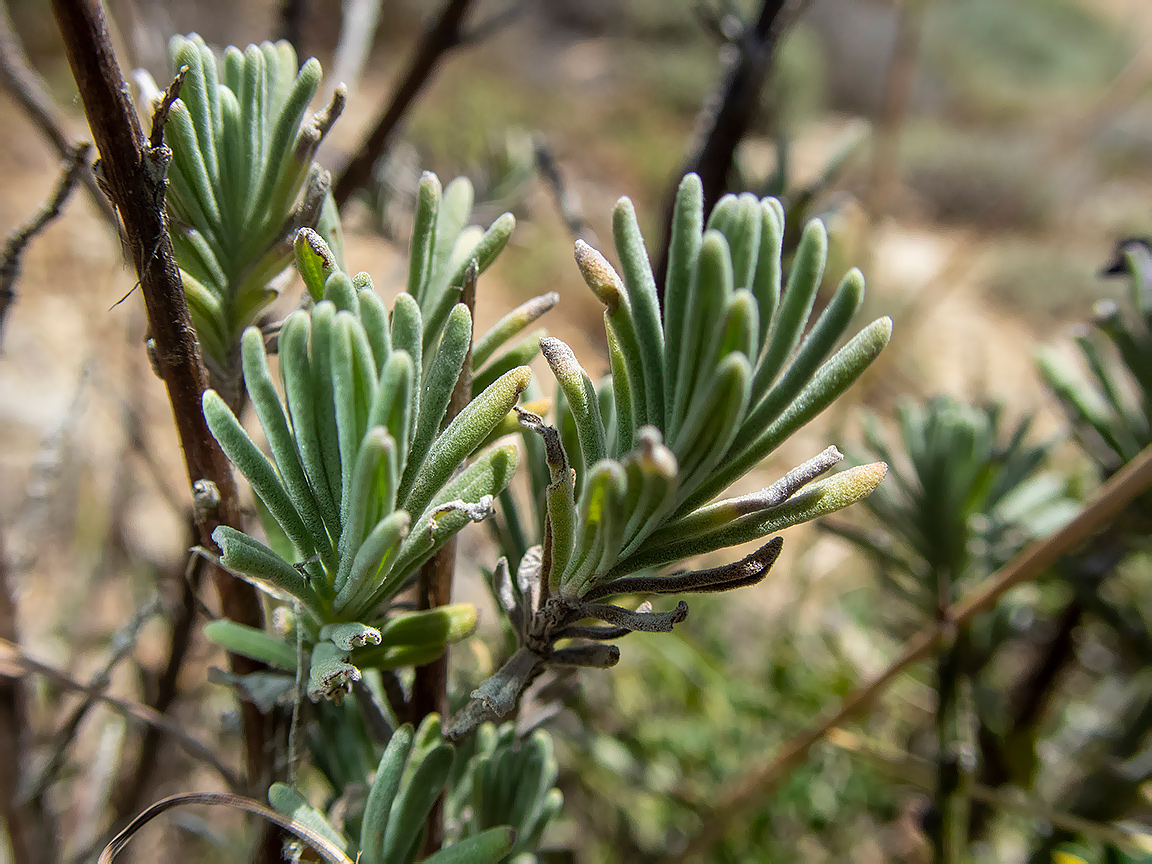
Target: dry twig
[
  {"x": 26, "y": 86},
  {"x": 30, "y": 832},
  {"x": 725, "y": 118},
  {"x": 22, "y": 236},
  {"x": 15, "y": 663}
]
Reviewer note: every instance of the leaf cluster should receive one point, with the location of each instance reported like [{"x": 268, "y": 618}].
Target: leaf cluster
[
  {"x": 242, "y": 181},
  {"x": 413, "y": 772},
  {"x": 700, "y": 392},
  {"x": 363, "y": 479}
]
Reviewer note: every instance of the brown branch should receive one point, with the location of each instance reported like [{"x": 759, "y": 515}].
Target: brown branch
[
  {"x": 885, "y": 168},
  {"x": 725, "y": 118},
  {"x": 761, "y": 781},
  {"x": 26, "y": 86},
  {"x": 30, "y": 833},
  {"x": 292, "y": 15},
  {"x": 444, "y": 35},
  {"x": 19, "y": 240},
  {"x": 430, "y": 685},
  {"x": 134, "y": 175}
]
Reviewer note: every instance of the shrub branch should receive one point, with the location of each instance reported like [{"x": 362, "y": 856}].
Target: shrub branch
[{"x": 133, "y": 173}]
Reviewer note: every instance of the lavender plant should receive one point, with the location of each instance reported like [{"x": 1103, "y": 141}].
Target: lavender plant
[
  {"x": 370, "y": 473},
  {"x": 700, "y": 392},
  {"x": 242, "y": 182},
  {"x": 363, "y": 481}
]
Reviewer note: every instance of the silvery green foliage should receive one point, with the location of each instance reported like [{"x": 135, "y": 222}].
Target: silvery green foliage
[
  {"x": 965, "y": 494},
  {"x": 242, "y": 182},
  {"x": 1111, "y": 411},
  {"x": 506, "y": 780},
  {"x": 413, "y": 772},
  {"x": 365, "y": 479},
  {"x": 700, "y": 392}
]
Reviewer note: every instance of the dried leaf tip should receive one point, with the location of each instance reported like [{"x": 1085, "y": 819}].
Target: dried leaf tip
[
  {"x": 653, "y": 454},
  {"x": 599, "y": 274},
  {"x": 559, "y": 356}
]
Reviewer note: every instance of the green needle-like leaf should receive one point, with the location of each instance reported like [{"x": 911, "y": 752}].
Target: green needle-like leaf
[
  {"x": 514, "y": 322},
  {"x": 263, "y": 394},
  {"x": 463, "y": 434},
  {"x": 487, "y": 847},
  {"x": 446, "y": 364},
  {"x": 250, "y": 642},
  {"x": 796, "y": 303},
  {"x": 641, "y": 287},
  {"x": 580, "y": 396},
  {"x": 241, "y": 553},
  {"x": 255, "y": 466},
  {"x": 382, "y": 794}
]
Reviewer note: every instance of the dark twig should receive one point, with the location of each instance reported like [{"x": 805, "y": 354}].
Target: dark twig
[
  {"x": 292, "y": 14},
  {"x": 430, "y": 685},
  {"x": 945, "y": 831},
  {"x": 567, "y": 201},
  {"x": 160, "y": 113},
  {"x": 725, "y": 118},
  {"x": 494, "y": 23},
  {"x": 374, "y": 718},
  {"x": 134, "y": 175},
  {"x": 30, "y": 834},
  {"x": 26, "y": 86},
  {"x": 445, "y": 34},
  {"x": 19, "y": 240},
  {"x": 394, "y": 693}
]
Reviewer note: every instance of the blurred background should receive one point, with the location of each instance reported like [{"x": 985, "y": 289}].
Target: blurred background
[{"x": 979, "y": 160}]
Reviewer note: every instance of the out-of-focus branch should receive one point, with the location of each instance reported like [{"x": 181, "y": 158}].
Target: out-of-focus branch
[
  {"x": 133, "y": 172},
  {"x": 26, "y": 86},
  {"x": 445, "y": 34},
  {"x": 357, "y": 31},
  {"x": 123, "y": 643},
  {"x": 725, "y": 118},
  {"x": 567, "y": 201},
  {"x": 135, "y": 783},
  {"x": 14, "y": 661},
  {"x": 19, "y": 240},
  {"x": 292, "y": 14}
]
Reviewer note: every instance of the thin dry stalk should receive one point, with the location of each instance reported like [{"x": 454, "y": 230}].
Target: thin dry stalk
[
  {"x": 14, "y": 662},
  {"x": 22, "y": 236},
  {"x": 728, "y": 114}
]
